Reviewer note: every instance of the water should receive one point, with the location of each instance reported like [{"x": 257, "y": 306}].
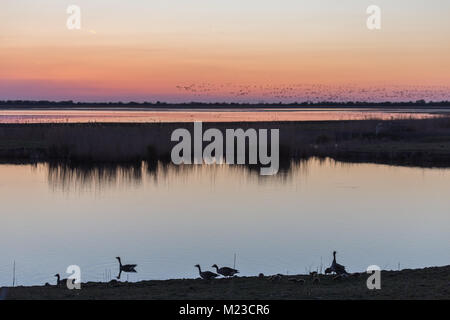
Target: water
[
  {"x": 167, "y": 219},
  {"x": 213, "y": 115}
]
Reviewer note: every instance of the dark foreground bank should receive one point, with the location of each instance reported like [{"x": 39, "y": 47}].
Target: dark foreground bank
[{"x": 429, "y": 283}]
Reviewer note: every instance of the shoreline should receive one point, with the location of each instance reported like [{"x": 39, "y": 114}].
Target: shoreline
[{"x": 428, "y": 283}]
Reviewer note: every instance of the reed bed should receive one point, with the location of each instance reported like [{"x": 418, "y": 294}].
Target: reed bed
[{"x": 408, "y": 141}]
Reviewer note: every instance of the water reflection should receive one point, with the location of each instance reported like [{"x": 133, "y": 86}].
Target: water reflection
[
  {"x": 67, "y": 177},
  {"x": 212, "y": 115},
  {"x": 167, "y": 218}
]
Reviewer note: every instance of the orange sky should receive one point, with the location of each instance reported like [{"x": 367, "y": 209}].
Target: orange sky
[{"x": 138, "y": 50}]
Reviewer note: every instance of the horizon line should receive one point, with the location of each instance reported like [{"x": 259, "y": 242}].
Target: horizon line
[{"x": 165, "y": 103}]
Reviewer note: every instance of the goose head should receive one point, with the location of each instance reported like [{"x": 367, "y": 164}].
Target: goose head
[{"x": 215, "y": 266}]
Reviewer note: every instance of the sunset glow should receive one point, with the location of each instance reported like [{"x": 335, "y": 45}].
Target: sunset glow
[{"x": 224, "y": 51}]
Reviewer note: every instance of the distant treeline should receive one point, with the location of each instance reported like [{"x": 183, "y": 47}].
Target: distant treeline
[{"x": 205, "y": 105}]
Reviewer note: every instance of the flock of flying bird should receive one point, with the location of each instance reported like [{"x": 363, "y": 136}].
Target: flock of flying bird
[
  {"x": 224, "y": 271},
  {"x": 313, "y": 92}
]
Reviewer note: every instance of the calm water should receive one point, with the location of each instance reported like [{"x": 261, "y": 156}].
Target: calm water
[
  {"x": 232, "y": 115},
  {"x": 168, "y": 219}
]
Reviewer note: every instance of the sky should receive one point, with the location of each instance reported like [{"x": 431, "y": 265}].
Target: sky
[{"x": 217, "y": 50}]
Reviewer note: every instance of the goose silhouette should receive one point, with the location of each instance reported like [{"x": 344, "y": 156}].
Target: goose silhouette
[
  {"x": 225, "y": 271},
  {"x": 207, "y": 275},
  {"x": 336, "y": 267},
  {"x": 125, "y": 267}
]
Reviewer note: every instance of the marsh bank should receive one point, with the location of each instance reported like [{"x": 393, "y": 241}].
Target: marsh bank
[
  {"x": 424, "y": 142},
  {"x": 428, "y": 283}
]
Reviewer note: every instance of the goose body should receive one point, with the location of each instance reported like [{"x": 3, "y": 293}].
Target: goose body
[
  {"x": 336, "y": 267},
  {"x": 207, "y": 275},
  {"x": 225, "y": 271},
  {"x": 125, "y": 267},
  {"x": 59, "y": 281}
]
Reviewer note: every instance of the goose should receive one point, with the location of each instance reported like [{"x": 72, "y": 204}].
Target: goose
[
  {"x": 125, "y": 267},
  {"x": 207, "y": 275},
  {"x": 225, "y": 271},
  {"x": 336, "y": 267},
  {"x": 59, "y": 281}
]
